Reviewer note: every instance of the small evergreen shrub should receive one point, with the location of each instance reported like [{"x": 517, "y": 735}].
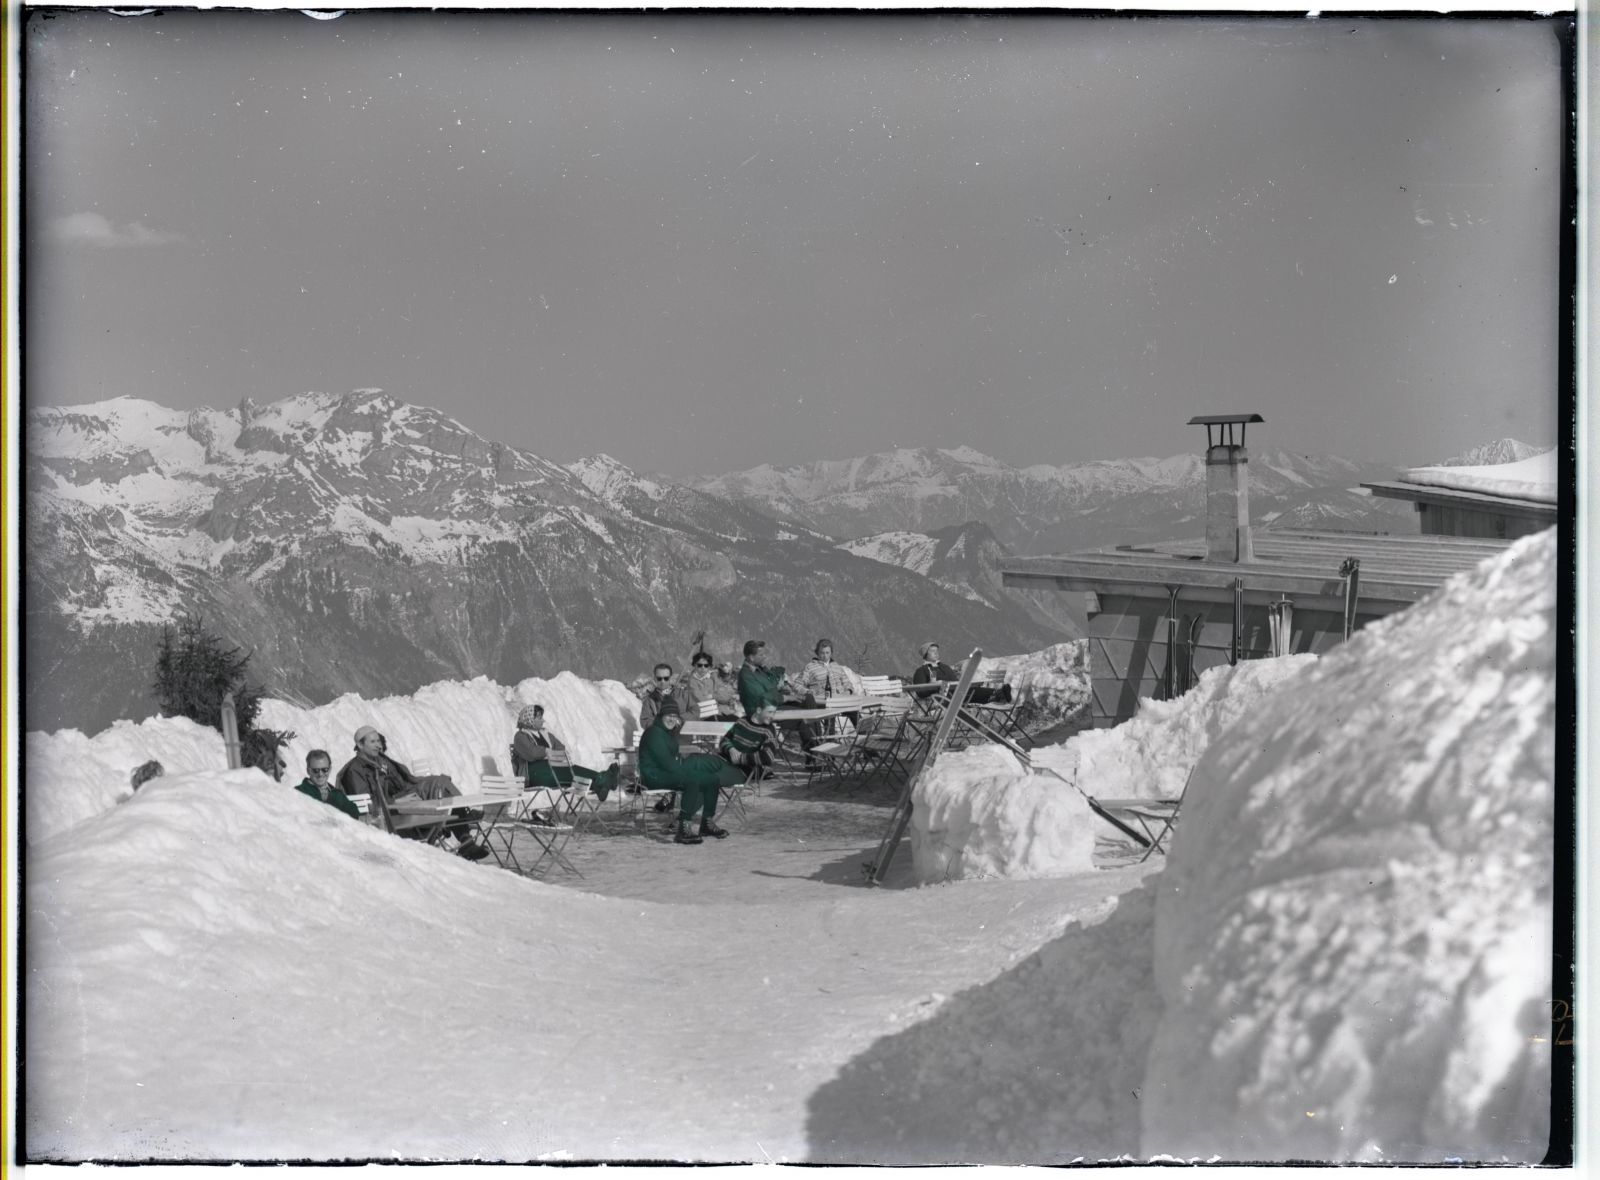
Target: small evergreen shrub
[{"x": 194, "y": 671}]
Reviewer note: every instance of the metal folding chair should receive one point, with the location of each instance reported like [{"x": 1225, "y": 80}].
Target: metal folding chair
[
  {"x": 539, "y": 817},
  {"x": 1001, "y": 715},
  {"x": 582, "y": 807},
  {"x": 747, "y": 739},
  {"x": 885, "y": 742},
  {"x": 836, "y": 758},
  {"x": 1155, "y": 817}
]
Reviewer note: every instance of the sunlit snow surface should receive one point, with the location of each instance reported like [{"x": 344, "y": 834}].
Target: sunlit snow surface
[
  {"x": 980, "y": 814},
  {"x": 1353, "y": 931},
  {"x": 71, "y": 777},
  {"x": 1347, "y": 956},
  {"x": 1533, "y": 478}
]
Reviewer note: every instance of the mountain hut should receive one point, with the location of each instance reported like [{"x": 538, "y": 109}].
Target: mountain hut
[
  {"x": 1160, "y": 614},
  {"x": 1504, "y": 500}
]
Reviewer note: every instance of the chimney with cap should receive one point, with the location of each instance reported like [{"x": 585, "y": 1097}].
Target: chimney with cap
[{"x": 1227, "y": 486}]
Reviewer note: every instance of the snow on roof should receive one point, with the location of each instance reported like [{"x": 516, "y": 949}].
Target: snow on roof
[{"x": 1533, "y": 478}]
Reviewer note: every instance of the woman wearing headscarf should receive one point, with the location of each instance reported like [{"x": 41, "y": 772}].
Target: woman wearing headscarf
[{"x": 530, "y": 757}]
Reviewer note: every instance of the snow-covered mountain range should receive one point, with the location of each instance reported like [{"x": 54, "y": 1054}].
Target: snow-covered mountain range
[
  {"x": 1504, "y": 450},
  {"x": 1052, "y": 509},
  {"x": 354, "y": 542},
  {"x": 965, "y": 559}
]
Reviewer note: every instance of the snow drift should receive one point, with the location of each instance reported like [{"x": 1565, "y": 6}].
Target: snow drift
[
  {"x": 1353, "y": 932},
  {"x": 979, "y": 814},
  {"x": 448, "y": 727},
  {"x": 71, "y": 777},
  {"x": 444, "y": 728},
  {"x": 224, "y": 968}
]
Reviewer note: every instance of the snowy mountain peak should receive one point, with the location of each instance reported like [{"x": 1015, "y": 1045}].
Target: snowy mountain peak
[
  {"x": 1504, "y": 450},
  {"x": 613, "y": 481},
  {"x": 966, "y": 454}
]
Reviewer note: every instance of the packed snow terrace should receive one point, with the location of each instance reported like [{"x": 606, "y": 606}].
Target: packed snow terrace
[{"x": 1344, "y": 957}]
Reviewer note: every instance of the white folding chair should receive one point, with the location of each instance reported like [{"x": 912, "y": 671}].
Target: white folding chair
[
  {"x": 540, "y": 818},
  {"x": 581, "y": 806},
  {"x": 498, "y": 817},
  {"x": 708, "y": 709}
]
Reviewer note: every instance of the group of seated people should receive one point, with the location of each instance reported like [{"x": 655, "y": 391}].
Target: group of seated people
[
  {"x": 751, "y": 699},
  {"x": 385, "y": 781}
]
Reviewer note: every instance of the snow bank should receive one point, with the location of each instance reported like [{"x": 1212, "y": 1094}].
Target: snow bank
[
  {"x": 977, "y": 813},
  {"x": 225, "y": 966},
  {"x": 1353, "y": 931},
  {"x": 1041, "y": 1065},
  {"x": 1533, "y": 478},
  {"x": 447, "y": 728},
  {"x": 444, "y": 728},
  {"x": 70, "y": 776},
  {"x": 1150, "y": 755}
]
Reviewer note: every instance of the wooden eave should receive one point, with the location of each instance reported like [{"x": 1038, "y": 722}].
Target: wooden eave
[
  {"x": 1304, "y": 565},
  {"x": 1455, "y": 498}
]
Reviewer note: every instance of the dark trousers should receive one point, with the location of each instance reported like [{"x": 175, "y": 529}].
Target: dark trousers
[
  {"x": 440, "y": 786},
  {"x": 542, "y": 774},
  {"x": 700, "y": 776}
]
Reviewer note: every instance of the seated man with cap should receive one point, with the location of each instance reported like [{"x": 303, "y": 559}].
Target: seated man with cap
[
  {"x": 530, "y": 757},
  {"x": 933, "y": 670},
  {"x": 697, "y": 778},
  {"x": 374, "y": 774}
]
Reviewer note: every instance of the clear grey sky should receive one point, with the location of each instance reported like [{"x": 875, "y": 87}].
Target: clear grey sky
[{"x": 699, "y": 243}]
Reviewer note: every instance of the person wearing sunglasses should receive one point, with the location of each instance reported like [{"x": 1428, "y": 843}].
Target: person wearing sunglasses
[
  {"x": 318, "y": 783},
  {"x": 700, "y": 684},
  {"x": 660, "y": 689}
]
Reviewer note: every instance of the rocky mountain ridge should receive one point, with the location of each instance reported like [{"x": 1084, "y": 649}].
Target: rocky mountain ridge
[
  {"x": 1504, "y": 450},
  {"x": 1045, "y": 509},
  {"x": 353, "y": 542},
  {"x": 965, "y": 559}
]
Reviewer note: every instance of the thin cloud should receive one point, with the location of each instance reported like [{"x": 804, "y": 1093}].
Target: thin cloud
[{"x": 95, "y": 230}]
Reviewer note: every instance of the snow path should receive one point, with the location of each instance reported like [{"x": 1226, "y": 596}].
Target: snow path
[{"x": 220, "y": 971}]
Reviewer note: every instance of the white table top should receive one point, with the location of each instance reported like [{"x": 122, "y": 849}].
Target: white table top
[
  {"x": 813, "y": 714},
  {"x": 449, "y": 803},
  {"x": 711, "y": 729}
]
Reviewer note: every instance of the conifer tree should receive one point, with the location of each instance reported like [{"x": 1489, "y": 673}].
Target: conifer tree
[{"x": 194, "y": 671}]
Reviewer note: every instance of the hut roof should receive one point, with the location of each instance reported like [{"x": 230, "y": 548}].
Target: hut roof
[{"x": 1300, "y": 563}]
